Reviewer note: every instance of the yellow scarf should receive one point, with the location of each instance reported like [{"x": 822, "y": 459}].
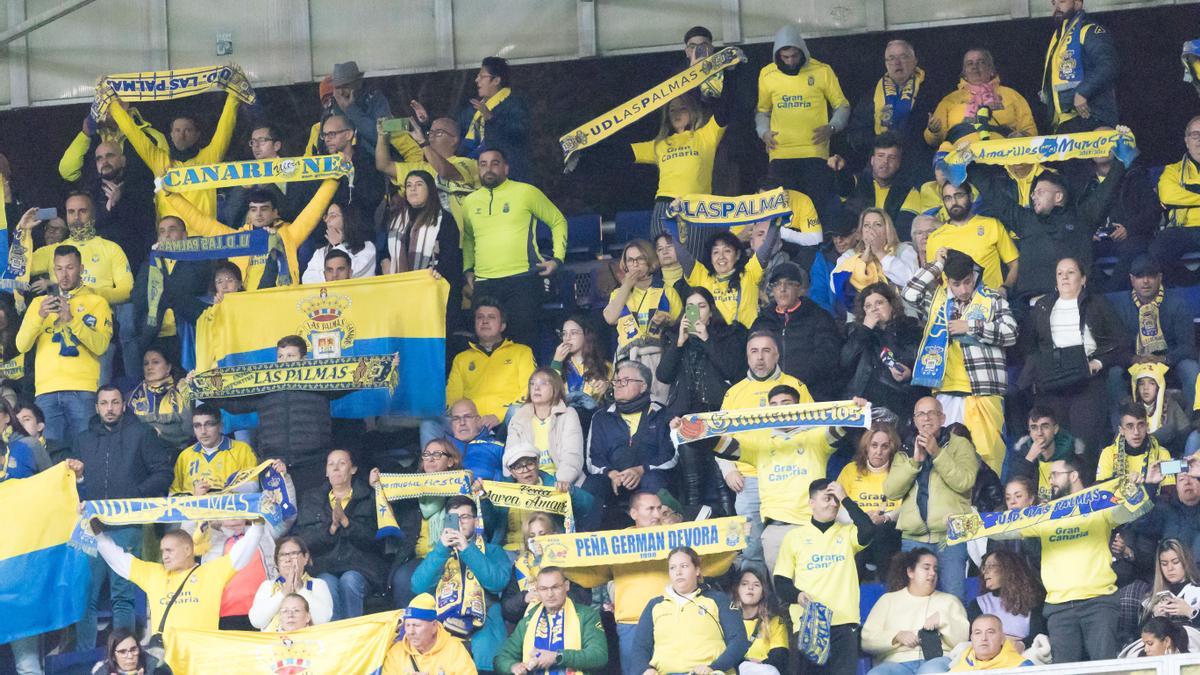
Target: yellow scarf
[
  {"x": 1008, "y": 657},
  {"x": 863, "y": 273},
  {"x": 461, "y": 601},
  {"x": 558, "y": 633},
  {"x": 893, "y": 104},
  {"x": 476, "y": 131},
  {"x": 1150, "y": 337}
]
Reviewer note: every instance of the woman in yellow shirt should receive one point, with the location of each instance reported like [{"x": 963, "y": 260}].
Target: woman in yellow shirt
[
  {"x": 731, "y": 278},
  {"x": 862, "y": 479},
  {"x": 767, "y": 633}
]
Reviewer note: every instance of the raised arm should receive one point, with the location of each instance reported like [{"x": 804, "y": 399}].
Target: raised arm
[
  {"x": 217, "y": 147},
  {"x": 117, "y": 558},
  {"x": 243, "y": 551},
  {"x": 763, "y": 253},
  {"x": 158, "y": 159},
  {"x": 70, "y": 167},
  {"x": 295, "y": 233},
  {"x": 383, "y": 154},
  {"x": 197, "y": 223}
]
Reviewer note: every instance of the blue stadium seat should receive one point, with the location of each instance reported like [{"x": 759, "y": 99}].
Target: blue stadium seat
[
  {"x": 630, "y": 225},
  {"x": 584, "y": 239},
  {"x": 971, "y": 588},
  {"x": 868, "y": 595},
  {"x": 73, "y": 663}
]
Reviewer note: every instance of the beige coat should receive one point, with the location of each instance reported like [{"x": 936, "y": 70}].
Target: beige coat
[{"x": 566, "y": 439}]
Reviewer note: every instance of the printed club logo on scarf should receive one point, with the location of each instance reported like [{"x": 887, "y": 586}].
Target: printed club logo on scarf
[{"x": 328, "y": 331}]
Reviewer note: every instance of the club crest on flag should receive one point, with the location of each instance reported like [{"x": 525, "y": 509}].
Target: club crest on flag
[{"x": 326, "y": 329}]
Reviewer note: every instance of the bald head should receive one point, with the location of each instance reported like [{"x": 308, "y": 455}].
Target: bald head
[
  {"x": 465, "y": 422},
  {"x": 110, "y": 161}
]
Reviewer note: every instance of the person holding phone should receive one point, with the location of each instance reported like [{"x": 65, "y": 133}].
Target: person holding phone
[
  {"x": 467, "y": 576},
  {"x": 1176, "y": 594}
]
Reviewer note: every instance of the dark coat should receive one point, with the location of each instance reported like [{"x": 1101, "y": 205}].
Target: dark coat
[
  {"x": 292, "y": 425},
  {"x": 350, "y": 548},
  {"x": 1101, "y": 66},
  {"x": 131, "y": 224},
  {"x": 123, "y": 461},
  {"x": 1174, "y": 316},
  {"x": 701, "y": 371},
  {"x": 917, "y": 161},
  {"x": 611, "y": 449},
  {"x": 508, "y": 131},
  {"x": 1112, "y": 342},
  {"x": 869, "y": 377},
  {"x": 183, "y": 287},
  {"x": 809, "y": 343}
]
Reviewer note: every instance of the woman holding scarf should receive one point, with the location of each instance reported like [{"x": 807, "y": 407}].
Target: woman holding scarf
[
  {"x": 162, "y": 400},
  {"x": 689, "y": 628},
  {"x": 644, "y": 306},
  {"x": 730, "y": 277},
  {"x": 1070, "y": 339},
  {"x": 980, "y": 108}
]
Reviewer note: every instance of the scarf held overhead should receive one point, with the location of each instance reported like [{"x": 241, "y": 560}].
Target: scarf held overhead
[
  {"x": 396, "y": 486},
  {"x": 545, "y": 498},
  {"x": 624, "y": 115},
  {"x": 253, "y": 172},
  {"x": 166, "y": 85},
  {"x": 1116, "y": 493},
  {"x": 179, "y": 509},
  {"x": 347, "y": 373},
  {"x": 714, "y": 211},
  {"x": 1040, "y": 149},
  {"x": 799, "y": 416},
  {"x": 619, "y": 547}
]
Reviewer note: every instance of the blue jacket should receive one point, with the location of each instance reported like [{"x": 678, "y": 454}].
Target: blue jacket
[
  {"x": 1174, "y": 316},
  {"x": 818, "y": 278},
  {"x": 1101, "y": 66},
  {"x": 508, "y": 130},
  {"x": 492, "y": 569},
  {"x": 21, "y": 461},
  {"x": 610, "y": 447},
  {"x": 483, "y": 456}
]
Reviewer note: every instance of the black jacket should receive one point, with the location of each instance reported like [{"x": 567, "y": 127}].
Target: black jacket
[
  {"x": 123, "y": 461},
  {"x": 917, "y": 161},
  {"x": 859, "y": 192},
  {"x": 1065, "y": 231},
  {"x": 1112, "y": 343},
  {"x": 809, "y": 343},
  {"x": 182, "y": 288},
  {"x": 869, "y": 377},
  {"x": 292, "y": 425},
  {"x": 1101, "y": 67},
  {"x": 701, "y": 371},
  {"x": 350, "y": 548},
  {"x": 131, "y": 224}
]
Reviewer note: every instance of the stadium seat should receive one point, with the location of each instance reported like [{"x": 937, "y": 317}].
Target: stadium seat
[
  {"x": 868, "y": 595},
  {"x": 584, "y": 238},
  {"x": 630, "y": 225}
]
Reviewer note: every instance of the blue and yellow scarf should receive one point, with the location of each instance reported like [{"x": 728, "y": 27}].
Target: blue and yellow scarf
[
  {"x": 552, "y": 633},
  {"x": 461, "y": 601},
  {"x": 930, "y": 368},
  {"x": 894, "y": 104}
]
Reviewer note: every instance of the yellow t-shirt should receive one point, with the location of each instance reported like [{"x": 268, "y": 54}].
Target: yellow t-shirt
[
  {"x": 955, "y": 378},
  {"x": 739, "y": 303},
  {"x": 423, "y": 545},
  {"x": 192, "y": 465},
  {"x": 1106, "y": 467},
  {"x": 798, "y": 104},
  {"x": 786, "y": 465},
  {"x": 985, "y": 239},
  {"x": 866, "y": 490},
  {"x": 541, "y": 441},
  {"x": 642, "y": 304},
  {"x": 1076, "y": 561},
  {"x": 753, "y": 394},
  {"x": 198, "y": 606},
  {"x": 684, "y": 160},
  {"x": 761, "y": 645},
  {"x": 822, "y": 565}
]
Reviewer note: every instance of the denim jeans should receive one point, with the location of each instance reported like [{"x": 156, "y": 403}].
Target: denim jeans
[
  {"x": 904, "y": 668},
  {"x": 126, "y": 339},
  {"x": 746, "y": 503},
  {"x": 67, "y": 413},
  {"x": 27, "y": 655},
  {"x": 625, "y": 633},
  {"x": 120, "y": 590},
  {"x": 402, "y": 582},
  {"x": 348, "y": 592},
  {"x": 952, "y": 566}
]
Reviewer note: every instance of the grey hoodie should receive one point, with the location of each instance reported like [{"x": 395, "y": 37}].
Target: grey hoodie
[{"x": 789, "y": 36}]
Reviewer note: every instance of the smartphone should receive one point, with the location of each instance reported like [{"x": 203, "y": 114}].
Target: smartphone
[
  {"x": 47, "y": 214},
  {"x": 451, "y": 522},
  {"x": 396, "y": 125},
  {"x": 692, "y": 313},
  {"x": 1171, "y": 467},
  {"x": 888, "y": 358}
]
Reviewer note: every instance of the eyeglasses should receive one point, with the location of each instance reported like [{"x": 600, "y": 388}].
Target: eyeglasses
[
  {"x": 927, "y": 413},
  {"x": 463, "y": 419},
  {"x": 290, "y": 554},
  {"x": 1192, "y": 136},
  {"x": 783, "y": 283},
  {"x": 433, "y": 455},
  {"x": 128, "y": 650},
  {"x": 635, "y": 261},
  {"x": 255, "y": 142},
  {"x": 330, "y": 135},
  {"x": 204, "y": 425},
  {"x": 625, "y": 381},
  {"x": 523, "y": 466}
]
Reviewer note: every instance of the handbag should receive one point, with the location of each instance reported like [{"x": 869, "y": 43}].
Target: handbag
[
  {"x": 1062, "y": 368},
  {"x": 154, "y": 645}
]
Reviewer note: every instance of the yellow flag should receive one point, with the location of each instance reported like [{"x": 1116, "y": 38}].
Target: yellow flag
[{"x": 349, "y": 647}]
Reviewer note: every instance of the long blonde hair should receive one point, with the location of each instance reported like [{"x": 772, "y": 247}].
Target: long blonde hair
[
  {"x": 889, "y": 229},
  {"x": 695, "y": 112}
]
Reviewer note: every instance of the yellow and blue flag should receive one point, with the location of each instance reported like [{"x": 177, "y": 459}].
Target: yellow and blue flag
[
  {"x": 352, "y": 646},
  {"x": 43, "y": 579},
  {"x": 401, "y": 314}
]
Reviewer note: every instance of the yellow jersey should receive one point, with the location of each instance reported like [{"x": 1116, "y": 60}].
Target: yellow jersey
[
  {"x": 786, "y": 465},
  {"x": 866, "y": 489},
  {"x": 193, "y": 464},
  {"x": 1076, "y": 561},
  {"x": 68, "y": 355},
  {"x": 822, "y": 565},
  {"x": 737, "y": 303},
  {"x": 798, "y": 104},
  {"x": 493, "y": 381},
  {"x": 985, "y": 239},
  {"x": 105, "y": 267},
  {"x": 751, "y": 393},
  {"x": 684, "y": 159},
  {"x": 198, "y": 605}
]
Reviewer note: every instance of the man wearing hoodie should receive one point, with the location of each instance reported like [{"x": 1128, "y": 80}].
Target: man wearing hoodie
[{"x": 800, "y": 107}]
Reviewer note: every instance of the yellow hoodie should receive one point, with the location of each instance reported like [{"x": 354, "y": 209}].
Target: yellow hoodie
[
  {"x": 1008, "y": 657},
  {"x": 448, "y": 655}
]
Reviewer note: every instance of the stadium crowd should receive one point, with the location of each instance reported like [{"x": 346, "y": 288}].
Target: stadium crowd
[{"x": 1070, "y": 359}]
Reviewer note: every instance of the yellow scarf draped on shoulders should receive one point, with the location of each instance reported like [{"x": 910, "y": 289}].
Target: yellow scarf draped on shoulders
[{"x": 476, "y": 130}]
